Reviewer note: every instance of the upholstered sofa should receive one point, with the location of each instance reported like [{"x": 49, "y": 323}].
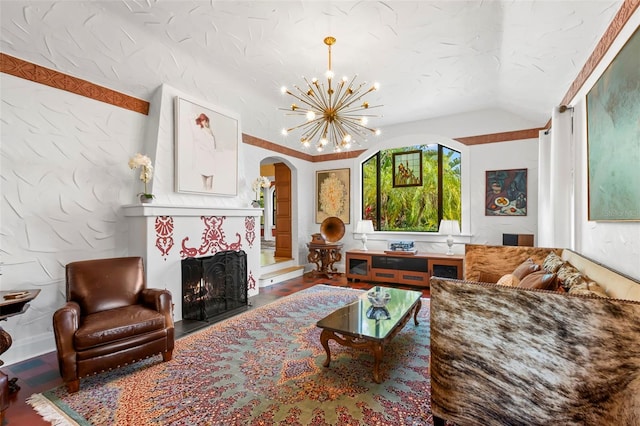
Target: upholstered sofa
[{"x": 504, "y": 355}]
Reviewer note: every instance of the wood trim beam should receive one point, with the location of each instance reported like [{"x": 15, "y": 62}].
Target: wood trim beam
[
  {"x": 48, "y": 77},
  {"x": 619, "y": 21},
  {"x": 501, "y": 137}
]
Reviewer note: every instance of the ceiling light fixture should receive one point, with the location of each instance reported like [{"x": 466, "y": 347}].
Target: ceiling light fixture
[{"x": 334, "y": 114}]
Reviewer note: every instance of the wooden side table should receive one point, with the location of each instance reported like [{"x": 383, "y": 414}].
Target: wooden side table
[
  {"x": 324, "y": 255},
  {"x": 10, "y": 306}
]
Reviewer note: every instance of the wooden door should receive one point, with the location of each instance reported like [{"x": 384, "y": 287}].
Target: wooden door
[{"x": 283, "y": 211}]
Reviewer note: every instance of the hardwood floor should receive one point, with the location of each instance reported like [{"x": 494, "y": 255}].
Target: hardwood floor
[{"x": 41, "y": 373}]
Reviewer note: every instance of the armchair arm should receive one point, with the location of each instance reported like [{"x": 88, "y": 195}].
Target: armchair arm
[
  {"x": 159, "y": 300},
  {"x": 65, "y": 324}
]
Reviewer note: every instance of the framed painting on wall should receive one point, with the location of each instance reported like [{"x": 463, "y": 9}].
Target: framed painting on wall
[
  {"x": 506, "y": 192},
  {"x": 206, "y": 149},
  {"x": 333, "y": 195},
  {"x": 613, "y": 138},
  {"x": 407, "y": 168}
]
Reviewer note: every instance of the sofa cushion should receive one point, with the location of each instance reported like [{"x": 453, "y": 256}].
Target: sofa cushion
[
  {"x": 588, "y": 288},
  {"x": 552, "y": 263},
  {"x": 509, "y": 280},
  {"x": 526, "y": 268},
  {"x": 489, "y": 277},
  {"x": 541, "y": 280}
]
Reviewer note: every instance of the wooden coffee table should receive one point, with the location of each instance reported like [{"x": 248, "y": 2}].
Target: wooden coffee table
[{"x": 351, "y": 326}]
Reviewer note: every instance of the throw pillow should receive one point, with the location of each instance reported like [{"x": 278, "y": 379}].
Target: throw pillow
[
  {"x": 552, "y": 263},
  {"x": 509, "y": 280},
  {"x": 541, "y": 280},
  {"x": 525, "y": 268},
  {"x": 567, "y": 275},
  {"x": 588, "y": 288}
]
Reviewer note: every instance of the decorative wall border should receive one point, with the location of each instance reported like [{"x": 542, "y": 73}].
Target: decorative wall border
[
  {"x": 619, "y": 21},
  {"x": 38, "y": 74}
]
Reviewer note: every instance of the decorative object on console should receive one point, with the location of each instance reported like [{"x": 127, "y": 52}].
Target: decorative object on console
[
  {"x": 450, "y": 228},
  {"x": 334, "y": 114},
  {"x": 146, "y": 173},
  {"x": 364, "y": 227},
  {"x": 402, "y": 247},
  {"x": 261, "y": 182}
]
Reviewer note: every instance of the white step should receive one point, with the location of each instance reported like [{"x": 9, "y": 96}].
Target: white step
[{"x": 280, "y": 275}]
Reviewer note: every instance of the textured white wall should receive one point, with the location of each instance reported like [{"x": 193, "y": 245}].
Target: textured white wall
[{"x": 64, "y": 178}]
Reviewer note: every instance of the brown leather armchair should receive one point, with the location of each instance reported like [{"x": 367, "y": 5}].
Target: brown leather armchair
[{"x": 110, "y": 319}]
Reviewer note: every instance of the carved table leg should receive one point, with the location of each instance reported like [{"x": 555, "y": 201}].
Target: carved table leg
[
  {"x": 415, "y": 314},
  {"x": 324, "y": 340},
  {"x": 5, "y": 344},
  {"x": 378, "y": 351}
]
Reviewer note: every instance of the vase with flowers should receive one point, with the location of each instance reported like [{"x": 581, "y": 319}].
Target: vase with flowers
[
  {"x": 146, "y": 173},
  {"x": 261, "y": 182}
]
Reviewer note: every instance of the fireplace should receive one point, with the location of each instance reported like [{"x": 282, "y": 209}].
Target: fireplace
[{"x": 214, "y": 285}]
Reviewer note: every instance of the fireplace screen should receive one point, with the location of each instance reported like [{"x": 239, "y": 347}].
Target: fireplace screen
[{"x": 214, "y": 285}]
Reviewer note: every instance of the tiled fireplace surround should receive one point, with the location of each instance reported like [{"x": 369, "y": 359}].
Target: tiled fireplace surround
[{"x": 164, "y": 235}]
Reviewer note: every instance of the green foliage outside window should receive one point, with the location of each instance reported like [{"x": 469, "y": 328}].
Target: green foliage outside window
[{"x": 414, "y": 208}]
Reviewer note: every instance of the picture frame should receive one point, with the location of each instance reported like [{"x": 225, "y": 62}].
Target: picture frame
[
  {"x": 333, "y": 195},
  {"x": 613, "y": 139},
  {"x": 207, "y": 139},
  {"x": 506, "y": 192},
  {"x": 407, "y": 168}
]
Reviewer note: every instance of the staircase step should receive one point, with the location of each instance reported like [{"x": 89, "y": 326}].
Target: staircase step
[{"x": 280, "y": 275}]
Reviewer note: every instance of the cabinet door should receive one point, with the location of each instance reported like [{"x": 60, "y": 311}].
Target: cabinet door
[
  {"x": 446, "y": 268},
  {"x": 358, "y": 267}
]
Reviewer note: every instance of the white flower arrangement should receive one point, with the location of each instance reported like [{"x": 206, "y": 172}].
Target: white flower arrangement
[
  {"x": 146, "y": 171},
  {"x": 260, "y": 183}
]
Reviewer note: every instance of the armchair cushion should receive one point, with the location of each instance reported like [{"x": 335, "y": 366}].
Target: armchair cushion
[{"x": 110, "y": 326}]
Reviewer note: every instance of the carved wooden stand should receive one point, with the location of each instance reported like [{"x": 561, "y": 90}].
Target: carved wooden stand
[{"x": 324, "y": 255}]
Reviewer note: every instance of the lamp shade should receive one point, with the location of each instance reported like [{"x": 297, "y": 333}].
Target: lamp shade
[
  {"x": 449, "y": 227},
  {"x": 364, "y": 227}
]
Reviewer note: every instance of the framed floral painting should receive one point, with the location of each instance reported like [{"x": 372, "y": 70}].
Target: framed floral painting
[
  {"x": 206, "y": 149},
  {"x": 333, "y": 195}
]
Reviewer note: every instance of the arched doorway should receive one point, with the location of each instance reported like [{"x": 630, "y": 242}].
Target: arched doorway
[{"x": 277, "y": 223}]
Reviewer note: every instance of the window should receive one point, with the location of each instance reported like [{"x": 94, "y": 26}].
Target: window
[{"x": 412, "y": 208}]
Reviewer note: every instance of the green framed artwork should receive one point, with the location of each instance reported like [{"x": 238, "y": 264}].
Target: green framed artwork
[
  {"x": 407, "y": 168},
  {"x": 613, "y": 138}
]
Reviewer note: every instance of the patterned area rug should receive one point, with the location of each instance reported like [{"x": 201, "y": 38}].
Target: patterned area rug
[{"x": 262, "y": 367}]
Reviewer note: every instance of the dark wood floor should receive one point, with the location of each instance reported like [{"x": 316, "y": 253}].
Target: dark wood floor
[{"x": 41, "y": 373}]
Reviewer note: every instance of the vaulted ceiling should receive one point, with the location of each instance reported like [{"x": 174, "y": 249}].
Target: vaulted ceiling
[{"x": 432, "y": 58}]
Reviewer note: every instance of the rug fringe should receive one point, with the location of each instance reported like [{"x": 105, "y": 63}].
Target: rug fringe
[{"x": 48, "y": 411}]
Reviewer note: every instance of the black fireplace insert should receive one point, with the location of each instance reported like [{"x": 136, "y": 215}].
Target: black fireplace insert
[{"x": 214, "y": 285}]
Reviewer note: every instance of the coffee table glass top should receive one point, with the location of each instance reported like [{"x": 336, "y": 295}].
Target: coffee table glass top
[{"x": 353, "y": 320}]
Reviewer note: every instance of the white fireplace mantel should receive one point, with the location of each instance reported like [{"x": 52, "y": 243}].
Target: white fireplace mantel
[
  {"x": 165, "y": 234},
  {"x": 152, "y": 209}
]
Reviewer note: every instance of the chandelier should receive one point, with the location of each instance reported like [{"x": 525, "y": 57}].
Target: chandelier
[{"x": 335, "y": 114}]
